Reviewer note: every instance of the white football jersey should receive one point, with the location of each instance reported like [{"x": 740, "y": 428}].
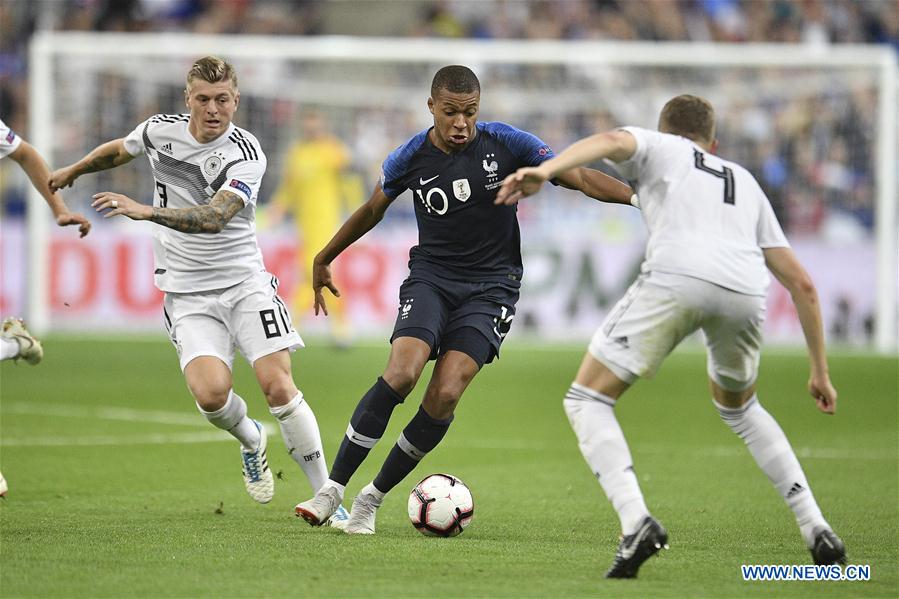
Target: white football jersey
[
  {"x": 9, "y": 141},
  {"x": 707, "y": 217},
  {"x": 187, "y": 174}
]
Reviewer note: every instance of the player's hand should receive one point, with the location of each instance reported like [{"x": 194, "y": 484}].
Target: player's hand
[
  {"x": 118, "y": 204},
  {"x": 820, "y": 387},
  {"x": 321, "y": 277},
  {"x": 522, "y": 183},
  {"x": 84, "y": 225},
  {"x": 60, "y": 178}
]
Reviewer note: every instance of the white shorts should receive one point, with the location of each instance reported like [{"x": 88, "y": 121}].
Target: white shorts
[
  {"x": 660, "y": 310},
  {"x": 249, "y": 316}
]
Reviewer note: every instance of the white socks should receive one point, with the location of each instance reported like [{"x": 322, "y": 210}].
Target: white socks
[
  {"x": 371, "y": 489},
  {"x": 232, "y": 417},
  {"x": 341, "y": 489},
  {"x": 9, "y": 349},
  {"x": 592, "y": 416},
  {"x": 299, "y": 429},
  {"x": 772, "y": 452}
]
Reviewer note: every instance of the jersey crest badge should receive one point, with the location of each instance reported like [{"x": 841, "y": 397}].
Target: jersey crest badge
[
  {"x": 212, "y": 165},
  {"x": 491, "y": 167},
  {"x": 461, "y": 189},
  {"x": 10, "y": 136}
]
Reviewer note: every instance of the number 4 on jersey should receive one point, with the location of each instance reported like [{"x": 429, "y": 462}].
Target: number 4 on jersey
[{"x": 726, "y": 173}]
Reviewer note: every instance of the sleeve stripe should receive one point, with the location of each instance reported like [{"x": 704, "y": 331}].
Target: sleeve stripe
[
  {"x": 250, "y": 148},
  {"x": 241, "y": 146}
]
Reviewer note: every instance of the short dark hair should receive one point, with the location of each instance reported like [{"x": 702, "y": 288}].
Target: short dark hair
[
  {"x": 689, "y": 116},
  {"x": 455, "y": 79}
]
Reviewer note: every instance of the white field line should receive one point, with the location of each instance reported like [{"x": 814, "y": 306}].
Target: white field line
[
  {"x": 141, "y": 439},
  {"x": 116, "y": 414},
  {"x": 105, "y": 413},
  {"x": 709, "y": 451},
  {"x": 812, "y": 453},
  {"x": 212, "y": 436}
]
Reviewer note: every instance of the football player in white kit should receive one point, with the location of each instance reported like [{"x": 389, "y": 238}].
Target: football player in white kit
[
  {"x": 15, "y": 340},
  {"x": 712, "y": 233},
  {"x": 218, "y": 295}
]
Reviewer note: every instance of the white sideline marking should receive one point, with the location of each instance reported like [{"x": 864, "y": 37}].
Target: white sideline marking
[
  {"x": 710, "y": 451},
  {"x": 116, "y": 414},
  {"x": 812, "y": 453},
  {"x": 105, "y": 413},
  {"x": 143, "y": 439}
]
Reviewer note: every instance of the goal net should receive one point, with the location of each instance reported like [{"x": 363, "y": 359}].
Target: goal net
[{"x": 815, "y": 125}]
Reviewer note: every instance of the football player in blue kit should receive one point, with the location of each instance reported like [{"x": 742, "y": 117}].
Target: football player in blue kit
[{"x": 458, "y": 302}]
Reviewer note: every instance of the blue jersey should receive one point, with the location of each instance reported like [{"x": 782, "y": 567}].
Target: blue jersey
[{"x": 461, "y": 233}]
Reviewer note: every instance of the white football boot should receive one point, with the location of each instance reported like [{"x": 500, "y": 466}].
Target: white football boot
[
  {"x": 362, "y": 516},
  {"x": 256, "y": 474},
  {"x": 322, "y": 508},
  {"x": 30, "y": 348}
]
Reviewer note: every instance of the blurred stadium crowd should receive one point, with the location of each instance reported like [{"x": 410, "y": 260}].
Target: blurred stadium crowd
[{"x": 811, "y": 151}]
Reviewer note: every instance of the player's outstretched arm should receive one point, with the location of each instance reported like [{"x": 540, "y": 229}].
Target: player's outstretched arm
[
  {"x": 358, "y": 224},
  {"x": 208, "y": 218},
  {"x": 618, "y": 145},
  {"x": 39, "y": 173},
  {"x": 782, "y": 262},
  {"x": 105, "y": 156},
  {"x": 598, "y": 185}
]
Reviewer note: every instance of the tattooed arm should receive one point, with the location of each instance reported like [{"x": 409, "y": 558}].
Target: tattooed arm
[
  {"x": 106, "y": 156},
  {"x": 210, "y": 218}
]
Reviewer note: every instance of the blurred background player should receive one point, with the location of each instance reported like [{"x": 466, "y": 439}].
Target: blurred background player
[
  {"x": 15, "y": 340},
  {"x": 712, "y": 233},
  {"x": 218, "y": 295},
  {"x": 459, "y": 300},
  {"x": 317, "y": 191}
]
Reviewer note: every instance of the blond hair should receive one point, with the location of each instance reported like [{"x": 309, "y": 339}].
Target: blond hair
[
  {"x": 212, "y": 69},
  {"x": 689, "y": 116}
]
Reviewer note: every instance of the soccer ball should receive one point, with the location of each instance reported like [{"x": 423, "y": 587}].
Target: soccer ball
[{"x": 441, "y": 506}]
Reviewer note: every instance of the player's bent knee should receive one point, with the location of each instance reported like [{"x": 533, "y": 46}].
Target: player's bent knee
[
  {"x": 210, "y": 398},
  {"x": 731, "y": 399},
  {"x": 401, "y": 378},
  {"x": 278, "y": 390},
  {"x": 209, "y": 381},
  {"x": 438, "y": 407},
  {"x": 446, "y": 397}
]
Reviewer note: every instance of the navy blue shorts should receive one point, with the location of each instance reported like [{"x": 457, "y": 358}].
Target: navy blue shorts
[{"x": 471, "y": 317}]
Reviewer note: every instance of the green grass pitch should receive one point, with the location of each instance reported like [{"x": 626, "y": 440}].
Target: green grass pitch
[{"x": 119, "y": 488}]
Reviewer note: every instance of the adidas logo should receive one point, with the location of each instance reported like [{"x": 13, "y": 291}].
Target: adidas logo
[
  {"x": 167, "y": 148},
  {"x": 622, "y": 341},
  {"x": 795, "y": 490}
]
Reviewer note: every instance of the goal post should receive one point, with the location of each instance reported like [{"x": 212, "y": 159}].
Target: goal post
[{"x": 557, "y": 89}]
